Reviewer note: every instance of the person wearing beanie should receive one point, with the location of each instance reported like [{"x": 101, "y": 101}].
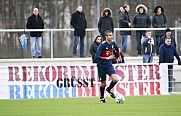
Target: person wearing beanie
[{"x": 168, "y": 35}]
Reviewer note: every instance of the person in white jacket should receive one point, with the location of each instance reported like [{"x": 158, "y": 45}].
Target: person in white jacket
[{"x": 148, "y": 50}]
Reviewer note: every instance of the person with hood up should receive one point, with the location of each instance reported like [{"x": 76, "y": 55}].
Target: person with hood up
[
  {"x": 159, "y": 21},
  {"x": 141, "y": 20},
  {"x": 94, "y": 47},
  {"x": 105, "y": 22},
  {"x": 124, "y": 22}
]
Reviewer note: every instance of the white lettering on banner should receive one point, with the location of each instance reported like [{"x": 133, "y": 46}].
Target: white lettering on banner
[{"x": 20, "y": 82}]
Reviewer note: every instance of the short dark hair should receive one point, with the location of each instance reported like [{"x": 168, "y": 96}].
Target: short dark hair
[
  {"x": 167, "y": 38},
  {"x": 106, "y": 32}
]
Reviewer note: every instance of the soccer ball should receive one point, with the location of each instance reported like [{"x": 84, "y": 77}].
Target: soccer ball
[{"x": 120, "y": 99}]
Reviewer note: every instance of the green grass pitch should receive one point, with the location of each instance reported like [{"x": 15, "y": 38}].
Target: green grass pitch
[{"x": 164, "y": 105}]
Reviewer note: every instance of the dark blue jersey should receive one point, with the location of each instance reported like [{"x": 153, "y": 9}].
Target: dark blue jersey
[{"x": 105, "y": 50}]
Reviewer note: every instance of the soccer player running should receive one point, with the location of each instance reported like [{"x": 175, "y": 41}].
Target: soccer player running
[{"x": 104, "y": 56}]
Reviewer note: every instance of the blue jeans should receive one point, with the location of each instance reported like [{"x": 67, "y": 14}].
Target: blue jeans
[
  {"x": 76, "y": 41},
  {"x": 124, "y": 43},
  {"x": 36, "y": 45},
  {"x": 147, "y": 58},
  {"x": 170, "y": 77}
]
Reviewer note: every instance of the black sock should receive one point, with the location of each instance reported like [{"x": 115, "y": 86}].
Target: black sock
[
  {"x": 111, "y": 85},
  {"x": 102, "y": 88}
]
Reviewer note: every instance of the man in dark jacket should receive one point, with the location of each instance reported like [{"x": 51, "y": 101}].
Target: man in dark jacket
[
  {"x": 159, "y": 21},
  {"x": 124, "y": 22},
  {"x": 79, "y": 23},
  {"x": 168, "y": 34},
  {"x": 35, "y": 21},
  {"x": 167, "y": 51},
  {"x": 141, "y": 20},
  {"x": 105, "y": 22}
]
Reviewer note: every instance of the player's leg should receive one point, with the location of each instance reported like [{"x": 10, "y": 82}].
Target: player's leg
[
  {"x": 102, "y": 78},
  {"x": 102, "y": 89},
  {"x": 113, "y": 75},
  {"x": 112, "y": 84}
]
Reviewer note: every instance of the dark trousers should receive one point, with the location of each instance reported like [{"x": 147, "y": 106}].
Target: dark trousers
[
  {"x": 170, "y": 77},
  {"x": 157, "y": 41},
  {"x": 139, "y": 35},
  {"x": 103, "y": 37}
]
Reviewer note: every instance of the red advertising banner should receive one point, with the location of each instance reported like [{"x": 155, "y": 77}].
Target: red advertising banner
[{"x": 23, "y": 82}]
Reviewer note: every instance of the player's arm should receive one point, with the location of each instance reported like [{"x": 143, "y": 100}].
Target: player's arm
[{"x": 118, "y": 52}]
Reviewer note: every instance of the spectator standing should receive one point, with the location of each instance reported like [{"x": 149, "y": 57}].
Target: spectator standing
[
  {"x": 147, "y": 47},
  {"x": 35, "y": 21},
  {"x": 79, "y": 23},
  {"x": 168, "y": 34},
  {"x": 141, "y": 20},
  {"x": 167, "y": 51},
  {"x": 104, "y": 57},
  {"x": 94, "y": 47},
  {"x": 124, "y": 22},
  {"x": 159, "y": 21},
  {"x": 105, "y": 22}
]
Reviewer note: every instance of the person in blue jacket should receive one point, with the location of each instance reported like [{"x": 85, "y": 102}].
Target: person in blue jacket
[
  {"x": 167, "y": 51},
  {"x": 104, "y": 56}
]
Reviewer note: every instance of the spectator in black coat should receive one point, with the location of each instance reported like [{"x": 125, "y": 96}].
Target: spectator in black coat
[
  {"x": 141, "y": 20},
  {"x": 35, "y": 21},
  {"x": 78, "y": 21},
  {"x": 94, "y": 47},
  {"x": 105, "y": 22},
  {"x": 159, "y": 21},
  {"x": 124, "y": 22}
]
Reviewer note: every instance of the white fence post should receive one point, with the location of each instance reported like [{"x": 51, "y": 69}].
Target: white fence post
[{"x": 51, "y": 43}]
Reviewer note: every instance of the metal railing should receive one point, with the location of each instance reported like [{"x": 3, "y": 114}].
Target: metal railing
[{"x": 88, "y": 29}]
